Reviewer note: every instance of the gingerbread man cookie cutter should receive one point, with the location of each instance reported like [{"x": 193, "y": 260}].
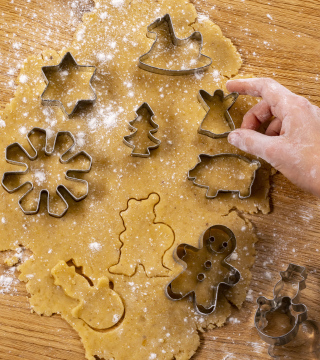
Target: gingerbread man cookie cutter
[
  {"x": 47, "y": 153},
  {"x": 193, "y": 179},
  {"x": 231, "y": 279},
  {"x": 202, "y": 96},
  {"x": 67, "y": 58},
  {"x": 287, "y": 305},
  {"x": 197, "y": 36}
]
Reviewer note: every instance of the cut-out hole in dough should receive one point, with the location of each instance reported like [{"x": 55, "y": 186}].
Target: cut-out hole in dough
[{"x": 144, "y": 240}]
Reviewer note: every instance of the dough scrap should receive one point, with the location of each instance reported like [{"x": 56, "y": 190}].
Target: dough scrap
[
  {"x": 99, "y": 306},
  {"x": 112, "y": 38}
]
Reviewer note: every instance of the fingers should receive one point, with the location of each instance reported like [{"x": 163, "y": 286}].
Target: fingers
[
  {"x": 259, "y": 114},
  {"x": 277, "y": 96},
  {"x": 274, "y": 127},
  {"x": 252, "y": 142}
]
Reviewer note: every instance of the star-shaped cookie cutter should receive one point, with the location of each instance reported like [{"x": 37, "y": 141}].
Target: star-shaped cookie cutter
[
  {"x": 202, "y": 96},
  {"x": 52, "y": 102},
  {"x": 48, "y": 153},
  {"x": 232, "y": 279},
  {"x": 284, "y": 305},
  {"x": 126, "y": 139},
  {"x": 193, "y": 179},
  {"x": 175, "y": 41}
]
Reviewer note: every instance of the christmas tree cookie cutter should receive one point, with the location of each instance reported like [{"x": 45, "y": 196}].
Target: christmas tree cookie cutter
[
  {"x": 155, "y": 126},
  {"x": 202, "y": 96},
  {"x": 197, "y": 36},
  {"x": 193, "y": 179},
  {"x": 283, "y": 305},
  {"x": 67, "y": 58},
  {"x": 47, "y": 153},
  {"x": 230, "y": 280}
]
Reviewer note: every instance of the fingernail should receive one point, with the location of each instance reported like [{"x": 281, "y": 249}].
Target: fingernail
[{"x": 233, "y": 138}]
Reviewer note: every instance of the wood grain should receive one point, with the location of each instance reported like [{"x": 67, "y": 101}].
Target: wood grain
[{"x": 279, "y": 39}]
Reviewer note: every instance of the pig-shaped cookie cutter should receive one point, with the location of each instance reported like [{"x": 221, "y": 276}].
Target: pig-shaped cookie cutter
[{"x": 193, "y": 179}]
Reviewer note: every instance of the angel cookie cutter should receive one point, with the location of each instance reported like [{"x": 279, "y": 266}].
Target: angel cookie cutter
[
  {"x": 67, "y": 58},
  {"x": 287, "y": 305},
  {"x": 202, "y": 156},
  {"x": 126, "y": 139},
  {"x": 204, "y": 96},
  {"x": 47, "y": 153},
  {"x": 197, "y": 36},
  {"x": 186, "y": 254}
]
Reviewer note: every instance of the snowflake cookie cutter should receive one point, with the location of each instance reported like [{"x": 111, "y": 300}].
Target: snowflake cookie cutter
[
  {"x": 47, "y": 153},
  {"x": 193, "y": 179},
  {"x": 202, "y": 96},
  {"x": 287, "y": 305},
  {"x": 229, "y": 281},
  {"x": 175, "y": 41},
  {"x": 67, "y": 58},
  {"x": 126, "y": 139}
]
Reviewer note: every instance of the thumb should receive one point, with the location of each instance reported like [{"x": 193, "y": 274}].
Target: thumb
[{"x": 254, "y": 143}]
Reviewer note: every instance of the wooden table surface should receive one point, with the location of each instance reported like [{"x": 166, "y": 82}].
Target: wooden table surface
[{"x": 276, "y": 38}]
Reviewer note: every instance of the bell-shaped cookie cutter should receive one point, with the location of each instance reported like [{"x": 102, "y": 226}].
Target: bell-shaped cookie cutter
[
  {"x": 48, "y": 153},
  {"x": 284, "y": 305},
  {"x": 126, "y": 139},
  {"x": 231, "y": 281},
  {"x": 202, "y": 96},
  {"x": 193, "y": 179},
  {"x": 175, "y": 41},
  {"x": 52, "y": 102}
]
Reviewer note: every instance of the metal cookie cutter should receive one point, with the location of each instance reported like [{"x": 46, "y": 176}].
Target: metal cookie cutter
[
  {"x": 127, "y": 138},
  {"x": 48, "y": 153},
  {"x": 175, "y": 41},
  {"x": 297, "y": 313},
  {"x": 67, "y": 58},
  {"x": 202, "y": 97},
  {"x": 201, "y": 156},
  {"x": 198, "y": 264}
]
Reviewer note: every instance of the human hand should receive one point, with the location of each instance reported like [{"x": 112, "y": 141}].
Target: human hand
[{"x": 291, "y": 143}]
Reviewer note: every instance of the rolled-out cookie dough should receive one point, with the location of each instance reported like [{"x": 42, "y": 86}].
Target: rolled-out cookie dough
[{"x": 112, "y": 38}]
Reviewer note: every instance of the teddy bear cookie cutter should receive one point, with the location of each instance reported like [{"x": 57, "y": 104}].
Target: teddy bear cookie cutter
[
  {"x": 216, "y": 245},
  {"x": 282, "y": 304}
]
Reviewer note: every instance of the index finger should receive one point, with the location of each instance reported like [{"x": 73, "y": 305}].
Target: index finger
[{"x": 276, "y": 95}]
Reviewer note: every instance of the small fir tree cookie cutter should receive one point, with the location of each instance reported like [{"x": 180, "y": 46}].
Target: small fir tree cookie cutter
[
  {"x": 155, "y": 126},
  {"x": 48, "y": 153},
  {"x": 67, "y": 58},
  {"x": 202, "y": 96},
  {"x": 230, "y": 281},
  {"x": 282, "y": 304},
  {"x": 193, "y": 179},
  {"x": 197, "y": 36}
]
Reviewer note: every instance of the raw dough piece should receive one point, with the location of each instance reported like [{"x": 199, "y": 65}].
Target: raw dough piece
[
  {"x": 99, "y": 306},
  {"x": 112, "y": 38}
]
